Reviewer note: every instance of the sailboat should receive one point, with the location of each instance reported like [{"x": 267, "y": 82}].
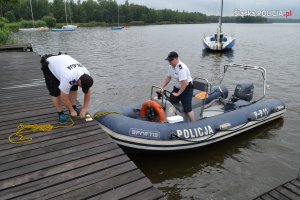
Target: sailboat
[
  {"x": 33, "y": 24},
  {"x": 68, "y": 27},
  {"x": 219, "y": 41},
  {"x": 117, "y": 27}
]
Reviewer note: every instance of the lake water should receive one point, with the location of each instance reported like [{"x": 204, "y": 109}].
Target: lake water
[{"x": 125, "y": 64}]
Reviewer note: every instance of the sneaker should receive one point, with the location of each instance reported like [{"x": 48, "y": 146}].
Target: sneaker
[{"x": 62, "y": 119}]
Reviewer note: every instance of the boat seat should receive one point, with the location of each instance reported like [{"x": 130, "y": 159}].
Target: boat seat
[{"x": 201, "y": 85}]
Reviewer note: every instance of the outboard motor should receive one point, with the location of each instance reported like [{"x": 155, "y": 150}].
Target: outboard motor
[
  {"x": 244, "y": 91},
  {"x": 242, "y": 96}
]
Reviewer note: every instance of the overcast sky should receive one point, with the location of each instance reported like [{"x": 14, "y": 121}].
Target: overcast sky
[{"x": 212, "y": 7}]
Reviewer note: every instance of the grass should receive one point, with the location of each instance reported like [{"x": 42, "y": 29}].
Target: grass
[{"x": 6, "y": 36}]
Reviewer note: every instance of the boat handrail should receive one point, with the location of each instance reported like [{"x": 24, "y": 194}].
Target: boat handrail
[
  {"x": 164, "y": 97},
  {"x": 203, "y": 85},
  {"x": 251, "y": 67},
  {"x": 152, "y": 87},
  {"x": 203, "y": 79}
]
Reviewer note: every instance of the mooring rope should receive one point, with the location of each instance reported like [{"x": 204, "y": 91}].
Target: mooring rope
[{"x": 31, "y": 128}]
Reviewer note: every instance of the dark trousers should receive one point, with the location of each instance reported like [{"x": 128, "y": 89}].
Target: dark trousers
[{"x": 185, "y": 97}]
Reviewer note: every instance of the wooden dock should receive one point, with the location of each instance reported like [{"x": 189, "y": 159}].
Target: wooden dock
[
  {"x": 79, "y": 162},
  {"x": 286, "y": 191},
  {"x": 16, "y": 47}
]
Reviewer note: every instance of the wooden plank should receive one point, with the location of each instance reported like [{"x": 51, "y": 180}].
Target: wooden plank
[
  {"x": 52, "y": 170},
  {"x": 13, "y": 90},
  {"x": 16, "y": 47},
  {"x": 288, "y": 193},
  {"x": 44, "y": 118},
  {"x": 87, "y": 181},
  {"x": 125, "y": 190},
  {"x": 89, "y": 143},
  {"x": 42, "y": 136},
  {"x": 79, "y": 124},
  {"x": 36, "y": 112},
  {"x": 39, "y": 93},
  {"x": 68, "y": 158},
  {"x": 48, "y": 140},
  {"x": 292, "y": 188},
  {"x": 26, "y": 115},
  {"x": 23, "y": 104},
  {"x": 11, "y": 126},
  {"x": 24, "y": 101},
  {"x": 23, "y": 117},
  {"x": 104, "y": 187},
  {"x": 70, "y": 180},
  {"x": 26, "y": 155},
  {"x": 277, "y": 195},
  {"x": 266, "y": 197},
  {"x": 36, "y": 95},
  {"x": 21, "y": 110},
  {"x": 296, "y": 182},
  {"x": 19, "y": 98},
  {"x": 26, "y": 92}
]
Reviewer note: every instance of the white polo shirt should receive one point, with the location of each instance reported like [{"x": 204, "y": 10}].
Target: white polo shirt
[
  {"x": 67, "y": 70},
  {"x": 179, "y": 73}
]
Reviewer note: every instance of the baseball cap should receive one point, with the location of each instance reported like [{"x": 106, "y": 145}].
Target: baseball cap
[
  {"x": 86, "y": 82},
  {"x": 172, "y": 55}
]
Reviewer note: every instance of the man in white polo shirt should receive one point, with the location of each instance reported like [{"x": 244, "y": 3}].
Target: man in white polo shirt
[
  {"x": 180, "y": 74},
  {"x": 63, "y": 74}
]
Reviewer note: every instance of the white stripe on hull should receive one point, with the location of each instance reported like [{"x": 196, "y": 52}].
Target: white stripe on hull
[{"x": 171, "y": 145}]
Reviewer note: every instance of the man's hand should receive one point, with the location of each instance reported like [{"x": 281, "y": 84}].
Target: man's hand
[
  {"x": 161, "y": 90},
  {"x": 175, "y": 94},
  {"x": 73, "y": 113},
  {"x": 83, "y": 112}
]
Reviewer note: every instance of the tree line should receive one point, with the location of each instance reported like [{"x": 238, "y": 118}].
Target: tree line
[{"x": 105, "y": 11}]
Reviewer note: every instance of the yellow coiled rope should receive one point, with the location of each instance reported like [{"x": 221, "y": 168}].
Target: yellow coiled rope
[
  {"x": 29, "y": 128},
  {"x": 102, "y": 114}
]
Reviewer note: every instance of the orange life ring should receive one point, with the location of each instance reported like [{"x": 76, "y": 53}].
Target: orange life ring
[{"x": 156, "y": 107}]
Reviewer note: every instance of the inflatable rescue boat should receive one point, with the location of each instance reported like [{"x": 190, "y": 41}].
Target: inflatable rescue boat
[{"x": 160, "y": 125}]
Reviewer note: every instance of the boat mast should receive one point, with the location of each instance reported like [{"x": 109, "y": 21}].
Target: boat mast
[
  {"x": 66, "y": 12},
  {"x": 220, "y": 19},
  {"x": 220, "y": 24},
  {"x": 31, "y": 14},
  {"x": 70, "y": 13},
  {"x": 118, "y": 14}
]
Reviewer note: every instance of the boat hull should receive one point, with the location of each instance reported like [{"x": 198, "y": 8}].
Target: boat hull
[
  {"x": 144, "y": 135},
  {"x": 117, "y": 27},
  {"x": 70, "y": 27},
  {"x": 62, "y": 30},
  {"x": 34, "y": 29},
  {"x": 227, "y": 43}
]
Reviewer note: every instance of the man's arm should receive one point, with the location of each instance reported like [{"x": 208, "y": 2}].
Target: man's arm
[
  {"x": 86, "y": 101},
  {"x": 65, "y": 99},
  {"x": 166, "y": 82},
  {"x": 182, "y": 88}
]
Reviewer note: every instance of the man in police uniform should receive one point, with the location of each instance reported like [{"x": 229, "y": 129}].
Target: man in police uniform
[
  {"x": 183, "y": 83},
  {"x": 63, "y": 75}
]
